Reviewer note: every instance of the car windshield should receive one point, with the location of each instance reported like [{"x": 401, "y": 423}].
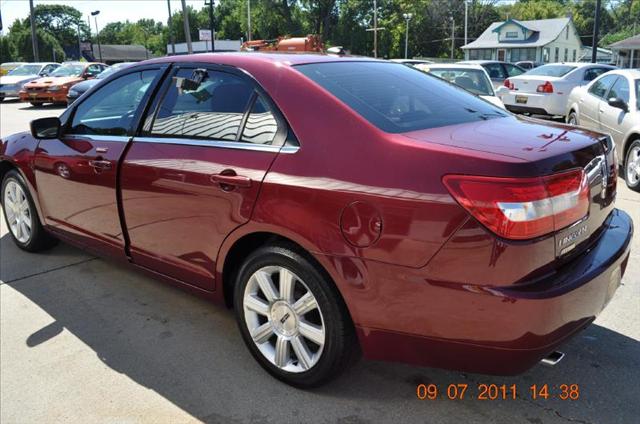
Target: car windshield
[
  {"x": 551, "y": 70},
  {"x": 68, "y": 71},
  {"x": 398, "y": 98},
  {"x": 472, "y": 80},
  {"x": 25, "y": 70},
  {"x": 106, "y": 72}
]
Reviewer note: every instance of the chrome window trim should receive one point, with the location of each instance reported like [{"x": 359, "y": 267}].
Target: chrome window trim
[
  {"x": 218, "y": 143},
  {"x": 116, "y": 138}
]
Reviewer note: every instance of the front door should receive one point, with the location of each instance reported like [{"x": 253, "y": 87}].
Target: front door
[
  {"x": 195, "y": 173},
  {"x": 76, "y": 174},
  {"x": 612, "y": 119},
  {"x": 501, "y": 54}
]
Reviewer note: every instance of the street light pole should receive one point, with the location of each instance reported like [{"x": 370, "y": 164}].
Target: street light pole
[
  {"x": 248, "y": 20},
  {"x": 596, "y": 28},
  {"x": 34, "y": 38},
  {"x": 187, "y": 30},
  {"x": 375, "y": 28},
  {"x": 171, "y": 37},
  {"x": 95, "y": 17},
  {"x": 466, "y": 21},
  {"x": 453, "y": 32},
  {"x": 407, "y": 17}
]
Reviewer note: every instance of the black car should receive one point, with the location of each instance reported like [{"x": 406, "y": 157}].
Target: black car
[{"x": 80, "y": 88}]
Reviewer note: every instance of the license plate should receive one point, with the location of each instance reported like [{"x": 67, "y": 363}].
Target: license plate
[{"x": 521, "y": 99}]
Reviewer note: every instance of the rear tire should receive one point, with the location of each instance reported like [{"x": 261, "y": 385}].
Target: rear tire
[
  {"x": 632, "y": 166},
  {"x": 298, "y": 328},
  {"x": 572, "y": 119},
  {"x": 21, "y": 216},
  {"x": 36, "y": 104}
]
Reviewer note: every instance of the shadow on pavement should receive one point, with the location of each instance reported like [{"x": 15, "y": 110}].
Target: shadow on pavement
[{"x": 190, "y": 352}]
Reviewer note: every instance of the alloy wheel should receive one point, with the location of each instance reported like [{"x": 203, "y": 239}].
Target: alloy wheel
[
  {"x": 18, "y": 211},
  {"x": 284, "y": 319},
  {"x": 633, "y": 166}
]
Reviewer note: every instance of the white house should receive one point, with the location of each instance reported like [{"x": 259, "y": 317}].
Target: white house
[
  {"x": 544, "y": 40},
  {"x": 627, "y": 52}
]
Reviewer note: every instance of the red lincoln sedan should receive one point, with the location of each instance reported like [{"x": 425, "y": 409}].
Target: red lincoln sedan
[{"x": 339, "y": 205}]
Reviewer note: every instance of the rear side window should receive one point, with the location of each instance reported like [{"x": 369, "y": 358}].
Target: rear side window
[
  {"x": 261, "y": 126},
  {"x": 600, "y": 87},
  {"x": 398, "y": 98},
  {"x": 213, "y": 111}
]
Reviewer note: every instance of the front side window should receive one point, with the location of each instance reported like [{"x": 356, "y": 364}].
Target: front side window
[
  {"x": 213, "y": 111},
  {"x": 513, "y": 71},
  {"x": 620, "y": 90},
  {"x": 24, "y": 70},
  {"x": 397, "y": 98},
  {"x": 110, "y": 109},
  {"x": 600, "y": 87}
]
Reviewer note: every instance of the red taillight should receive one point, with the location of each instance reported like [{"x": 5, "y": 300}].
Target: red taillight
[
  {"x": 523, "y": 208},
  {"x": 547, "y": 87},
  {"x": 509, "y": 84}
]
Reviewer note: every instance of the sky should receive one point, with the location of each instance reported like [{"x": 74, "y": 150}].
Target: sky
[{"x": 110, "y": 10}]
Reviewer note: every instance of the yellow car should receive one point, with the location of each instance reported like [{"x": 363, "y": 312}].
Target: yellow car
[{"x": 9, "y": 66}]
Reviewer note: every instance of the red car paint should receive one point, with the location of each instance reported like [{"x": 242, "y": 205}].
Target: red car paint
[{"x": 423, "y": 280}]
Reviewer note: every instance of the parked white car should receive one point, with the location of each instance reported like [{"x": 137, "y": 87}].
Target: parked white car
[
  {"x": 472, "y": 78},
  {"x": 545, "y": 90},
  {"x": 12, "y": 83},
  {"x": 611, "y": 104}
]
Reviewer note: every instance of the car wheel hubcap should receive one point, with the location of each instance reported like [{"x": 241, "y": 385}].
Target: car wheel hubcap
[
  {"x": 18, "y": 213},
  {"x": 633, "y": 166},
  {"x": 284, "y": 319},
  {"x": 572, "y": 120}
]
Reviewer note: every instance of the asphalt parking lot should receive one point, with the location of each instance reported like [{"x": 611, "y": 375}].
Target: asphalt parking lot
[{"x": 84, "y": 340}]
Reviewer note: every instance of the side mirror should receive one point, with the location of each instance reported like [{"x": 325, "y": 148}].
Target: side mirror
[
  {"x": 45, "y": 128},
  {"x": 85, "y": 76},
  {"x": 502, "y": 91},
  {"x": 618, "y": 103}
]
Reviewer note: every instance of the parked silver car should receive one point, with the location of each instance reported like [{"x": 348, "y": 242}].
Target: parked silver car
[
  {"x": 611, "y": 104},
  {"x": 12, "y": 83}
]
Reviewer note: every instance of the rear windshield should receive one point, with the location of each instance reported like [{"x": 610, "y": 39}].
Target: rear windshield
[
  {"x": 398, "y": 98},
  {"x": 551, "y": 70}
]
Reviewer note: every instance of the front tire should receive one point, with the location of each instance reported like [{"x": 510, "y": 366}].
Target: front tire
[
  {"x": 572, "y": 119},
  {"x": 292, "y": 318},
  {"x": 20, "y": 215},
  {"x": 632, "y": 166}
]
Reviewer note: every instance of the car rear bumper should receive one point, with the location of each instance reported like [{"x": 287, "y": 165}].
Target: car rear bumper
[
  {"x": 534, "y": 103},
  {"x": 504, "y": 330}
]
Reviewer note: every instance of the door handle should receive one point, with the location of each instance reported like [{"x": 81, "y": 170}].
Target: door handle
[
  {"x": 100, "y": 165},
  {"x": 228, "y": 180}
]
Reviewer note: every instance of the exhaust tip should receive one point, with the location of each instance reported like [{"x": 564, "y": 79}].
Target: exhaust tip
[{"x": 553, "y": 358}]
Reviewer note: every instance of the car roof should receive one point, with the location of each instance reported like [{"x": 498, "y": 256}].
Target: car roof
[
  {"x": 456, "y": 66},
  {"x": 579, "y": 64},
  {"x": 281, "y": 59},
  {"x": 629, "y": 73}
]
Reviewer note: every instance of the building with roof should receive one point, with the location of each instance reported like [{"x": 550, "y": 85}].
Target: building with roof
[
  {"x": 626, "y": 53},
  {"x": 205, "y": 46},
  {"x": 543, "y": 40},
  {"x": 602, "y": 55},
  {"x": 115, "y": 53}
]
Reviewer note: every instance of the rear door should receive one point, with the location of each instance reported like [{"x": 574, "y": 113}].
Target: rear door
[
  {"x": 194, "y": 173},
  {"x": 77, "y": 174},
  {"x": 591, "y": 104}
]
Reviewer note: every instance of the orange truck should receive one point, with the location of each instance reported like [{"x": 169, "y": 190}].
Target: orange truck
[{"x": 310, "y": 43}]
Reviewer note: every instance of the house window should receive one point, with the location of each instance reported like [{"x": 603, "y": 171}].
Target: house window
[
  {"x": 574, "y": 55},
  {"x": 566, "y": 54},
  {"x": 546, "y": 55},
  {"x": 480, "y": 54},
  {"x": 511, "y": 34},
  {"x": 557, "y": 54},
  {"x": 566, "y": 33},
  {"x": 523, "y": 54}
]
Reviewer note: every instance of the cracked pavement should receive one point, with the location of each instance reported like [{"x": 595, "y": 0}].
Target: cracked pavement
[{"x": 83, "y": 339}]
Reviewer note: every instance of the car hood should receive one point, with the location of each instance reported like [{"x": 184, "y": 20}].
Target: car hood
[
  {"x": 15, "y": 79},
  {"x": 83, "y": 86},
  {"x": 54, "y": 81},
  {"x": 494, "y": 100},
  {"x": 521, "y": 138}
]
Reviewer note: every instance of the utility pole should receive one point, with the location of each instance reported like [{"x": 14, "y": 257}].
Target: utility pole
[
  {"x": 213, "y": 46},
  {"x": 187, "y": 30},
  {"x": 596, "y": 29},
  {"x": 171, "y": 37},
  {"x": 34, "y": 38},
  {"x": 375, "y": 28},
  {"x": 453, "y": 36},
  {"x": 466, "y": 21},
  {"x": 79, "y": 43},
  {"x": 248, "y": 20},
  {"x": 407, "y": 17}
]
